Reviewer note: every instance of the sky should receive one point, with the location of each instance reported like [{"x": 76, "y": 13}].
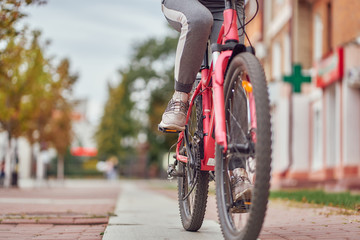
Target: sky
[{"x": 97, "y": 36}]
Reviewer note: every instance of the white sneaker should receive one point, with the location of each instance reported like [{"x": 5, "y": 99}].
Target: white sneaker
[
  {"x": 241, "y": 190},
  {"x": 174, "y": 117}
]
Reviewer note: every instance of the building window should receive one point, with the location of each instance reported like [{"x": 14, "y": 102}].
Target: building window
[{"x": 318, "y": 38}]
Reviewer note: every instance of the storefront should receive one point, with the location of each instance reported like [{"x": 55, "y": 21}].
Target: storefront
[
  {"x": 335, "y": 118},
  {"x": 350, "y": 169}
]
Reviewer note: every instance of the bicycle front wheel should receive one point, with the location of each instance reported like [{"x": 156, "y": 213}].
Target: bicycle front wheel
[{"x": 248, "y": 126}]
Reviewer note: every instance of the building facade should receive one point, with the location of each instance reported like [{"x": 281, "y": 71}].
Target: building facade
[
  {"x": 336, "y": 62},
  {"x": 316, "y": 131}
]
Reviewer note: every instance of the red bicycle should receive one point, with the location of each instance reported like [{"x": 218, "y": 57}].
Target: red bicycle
[{"x": 228, "y": 120}]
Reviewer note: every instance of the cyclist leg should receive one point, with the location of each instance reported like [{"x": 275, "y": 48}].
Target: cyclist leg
[
  {"x": 216, "y": 7},
  {"x": 194, "y": 22}
]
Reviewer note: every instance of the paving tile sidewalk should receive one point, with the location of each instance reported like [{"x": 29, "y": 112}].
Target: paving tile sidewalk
[{"x": 76, "y": 209}]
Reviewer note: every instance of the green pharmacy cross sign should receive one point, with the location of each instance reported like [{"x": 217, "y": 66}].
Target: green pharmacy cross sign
[{"x": 296, "y": 79}]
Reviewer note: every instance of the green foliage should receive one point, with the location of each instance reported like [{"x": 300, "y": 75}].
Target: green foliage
[
  {"x": 116, "y": 123},
  {"x": 20, "y": 74},
  {"x": 32, "y": 92},
  {"x": 59, "y": 129},
  {"x": 10, "y": 13},
  {"x": 159, "y": 53},
  {"x": 344, "y": 199},
  {"x": 135, "y": 106}
]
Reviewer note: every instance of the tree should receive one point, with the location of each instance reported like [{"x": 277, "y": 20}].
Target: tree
[
  {"x": 14, "y": 88},
  {"x": 58, "y": 132},
  {"x": 12, "y": 68},
  {"x": 10, "y": 14},
  {"x": 145, "y": 88},
  {"x": 156, "y": 59},
  {"x": 116, "y": 124},
  {"x": 33, "y": 94}
]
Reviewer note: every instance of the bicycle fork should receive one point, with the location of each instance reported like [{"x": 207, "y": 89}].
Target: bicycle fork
[{"x": 218, "y": 96}]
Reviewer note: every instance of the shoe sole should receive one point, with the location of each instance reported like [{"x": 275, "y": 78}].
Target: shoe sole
[
  {"x": 244, "y": 195},
  {"x": 244, "y": 202},
  {"x": 170, "y": 128}
]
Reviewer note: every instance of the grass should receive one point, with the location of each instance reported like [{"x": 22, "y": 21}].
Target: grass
[{"x": 343, "y": 200}]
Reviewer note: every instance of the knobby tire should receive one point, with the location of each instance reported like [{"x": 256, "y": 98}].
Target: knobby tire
[
  {"x": 192, "y": 209},
  {"x": 245, "y": 63}
]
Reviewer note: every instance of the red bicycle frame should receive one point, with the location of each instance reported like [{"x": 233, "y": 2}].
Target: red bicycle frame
[{"x": 213, "y": 96}]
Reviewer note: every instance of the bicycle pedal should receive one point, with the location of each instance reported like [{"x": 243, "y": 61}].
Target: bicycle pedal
[
  {"x": 172, "y": 172},
  {"x": 241, "y": 206},
  {"x": 167, "y": 130},
  {"x": 239, "y": 210}
]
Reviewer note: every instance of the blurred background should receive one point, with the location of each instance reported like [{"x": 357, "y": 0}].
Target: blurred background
[{"x": 83, "y": 85}]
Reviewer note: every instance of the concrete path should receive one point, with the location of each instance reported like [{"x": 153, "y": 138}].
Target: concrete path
[
  {"x": 284, "y": 219},
  {"x": 144, "y": 214}
]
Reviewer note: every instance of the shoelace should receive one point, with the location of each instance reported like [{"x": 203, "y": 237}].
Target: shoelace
[
  {"x": 236, "y": 180},
  {"x": 177, "y": 106}
]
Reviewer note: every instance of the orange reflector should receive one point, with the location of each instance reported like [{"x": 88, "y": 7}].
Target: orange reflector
[
  {"x": 247, "y": 86},
  {"x": 170, "y": 130},
  {"x": 247, "y": 203}
]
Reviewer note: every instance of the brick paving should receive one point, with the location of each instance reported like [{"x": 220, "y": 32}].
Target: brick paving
[
  {"x": 72, "y": 210},
  {"x": 289, "y": 220}
]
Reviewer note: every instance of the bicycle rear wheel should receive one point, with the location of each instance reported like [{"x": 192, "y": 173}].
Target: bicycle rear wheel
[
  {"x": 249, "y": 147},
  {"x": 194, "y": 183}
]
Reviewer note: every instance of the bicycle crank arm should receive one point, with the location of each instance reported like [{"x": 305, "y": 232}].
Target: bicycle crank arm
[{"x": 173, "y": 173}]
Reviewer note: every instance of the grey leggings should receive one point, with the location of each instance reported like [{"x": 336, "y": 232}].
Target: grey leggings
[{"x": 196, "y": 20}]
